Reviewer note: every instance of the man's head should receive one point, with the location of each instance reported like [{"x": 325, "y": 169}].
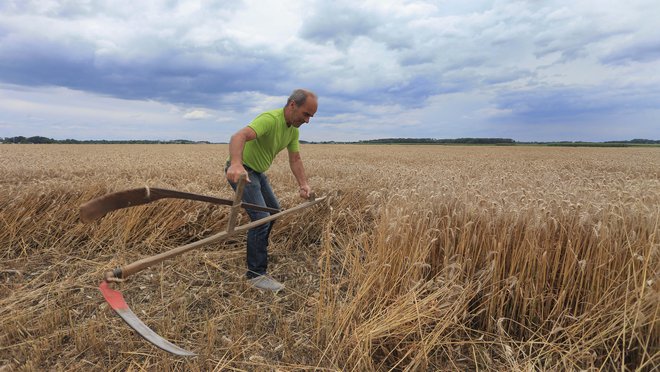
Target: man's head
[{"x": 300, "y": 107}]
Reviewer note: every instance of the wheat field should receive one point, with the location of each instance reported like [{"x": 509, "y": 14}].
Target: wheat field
[{"x": 422, "y": 258}]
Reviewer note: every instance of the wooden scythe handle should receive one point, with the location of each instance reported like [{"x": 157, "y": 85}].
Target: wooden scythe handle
[{"x": 237, "y": 203}]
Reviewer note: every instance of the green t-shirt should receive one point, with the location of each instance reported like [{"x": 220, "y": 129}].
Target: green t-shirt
[{"x": 273, "y": 136}]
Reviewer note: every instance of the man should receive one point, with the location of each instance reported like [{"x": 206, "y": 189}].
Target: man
[{"x": 251, "y": 152}]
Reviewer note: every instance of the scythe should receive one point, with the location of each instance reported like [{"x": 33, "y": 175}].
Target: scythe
[{"x": 97, "y": 208}]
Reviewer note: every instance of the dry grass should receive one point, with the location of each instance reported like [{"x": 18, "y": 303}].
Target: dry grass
[{"x": 425, "y": 257}]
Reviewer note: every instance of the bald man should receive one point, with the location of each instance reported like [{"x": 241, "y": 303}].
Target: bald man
[{"x": 251, "y": 152}]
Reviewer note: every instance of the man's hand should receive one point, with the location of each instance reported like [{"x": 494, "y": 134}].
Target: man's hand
[
  {"x": 235, "y": 171},
  {"x": 305, "y": 191}
]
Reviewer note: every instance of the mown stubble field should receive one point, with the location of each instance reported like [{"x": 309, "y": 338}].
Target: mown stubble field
[{"x": 423, "y": 258}]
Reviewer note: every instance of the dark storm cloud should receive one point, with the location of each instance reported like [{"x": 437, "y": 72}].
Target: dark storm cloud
[
  {"x": 71, "y": 45},
  {"x": 572, "y": 104},
  {"x": 646, "y": 51},
  {"x": 35, "y": 61},
  {"x": 174, "y": 74}
]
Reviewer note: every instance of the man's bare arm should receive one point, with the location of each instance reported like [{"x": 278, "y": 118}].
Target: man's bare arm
[
  {"x": 236, "y": 146},
  {"x": 296, "y": 164}
]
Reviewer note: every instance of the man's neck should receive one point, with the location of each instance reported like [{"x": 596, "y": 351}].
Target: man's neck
[{"x": 287, "y": 115}]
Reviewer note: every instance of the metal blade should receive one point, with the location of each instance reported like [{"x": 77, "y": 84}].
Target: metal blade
[{"x": 119, "y": 305}]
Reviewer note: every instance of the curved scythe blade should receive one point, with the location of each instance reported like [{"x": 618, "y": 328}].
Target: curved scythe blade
[
  {"x": 119, "y": 305},
  {"x": 99, "y": 207}
]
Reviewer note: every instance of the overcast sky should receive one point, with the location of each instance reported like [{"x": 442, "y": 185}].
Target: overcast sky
[{"x": 145, "y": 69}]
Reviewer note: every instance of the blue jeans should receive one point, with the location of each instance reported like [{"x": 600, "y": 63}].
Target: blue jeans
[{"x": 258, "y": 191}]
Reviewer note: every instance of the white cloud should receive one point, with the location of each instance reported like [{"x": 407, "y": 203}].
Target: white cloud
[{"x": 197, "y": 115}]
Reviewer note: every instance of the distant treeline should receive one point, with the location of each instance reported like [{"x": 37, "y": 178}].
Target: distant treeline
[
  {"x": 472, "y": 141},
  {"x": 633, "y": 142},
  {"x": 420, "y": 141},
  {"x": 499, "y": 141},
  {"x": 40, "y": 139}
]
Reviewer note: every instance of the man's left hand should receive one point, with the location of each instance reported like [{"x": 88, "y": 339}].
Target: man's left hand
[{"x": 305, "y": 191}]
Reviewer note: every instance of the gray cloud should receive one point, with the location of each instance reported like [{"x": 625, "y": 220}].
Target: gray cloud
[
  {"x": 337, "y": 24},
  {"x": 151, "y": 66},
  {"x": 179, "y": 75},
  {"x": 539, "y": 104},
  {"x": 644, "y": 51}
]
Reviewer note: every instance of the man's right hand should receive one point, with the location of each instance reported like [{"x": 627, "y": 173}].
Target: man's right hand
[{"x": 235, "y": 171}]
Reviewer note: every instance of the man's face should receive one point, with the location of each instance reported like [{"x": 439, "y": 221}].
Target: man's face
[{"x": 301, "y": 114}]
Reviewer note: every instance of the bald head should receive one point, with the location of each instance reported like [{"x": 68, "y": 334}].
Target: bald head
[
  {"x": 299, "y": 96},
  {"x": 300, "y": 107}
]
